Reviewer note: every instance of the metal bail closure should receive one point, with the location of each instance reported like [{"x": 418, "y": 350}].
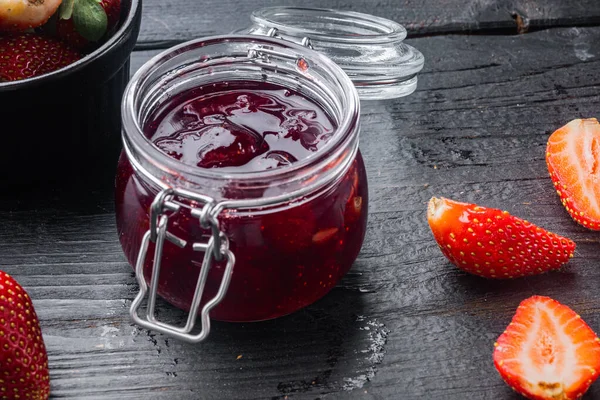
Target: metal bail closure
[
  {"x": 215, "y": 249},
  {"x": 305, "y": 40},
  {"x": 264, "y": 54}
]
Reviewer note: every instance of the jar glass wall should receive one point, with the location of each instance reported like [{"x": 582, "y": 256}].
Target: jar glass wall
[{"x": 294, "y": 231}]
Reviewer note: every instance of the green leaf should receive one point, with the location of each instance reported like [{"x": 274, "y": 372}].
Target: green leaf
[
  {"x": 89, "y": 19},
  {"x": 66, "y": 9}
]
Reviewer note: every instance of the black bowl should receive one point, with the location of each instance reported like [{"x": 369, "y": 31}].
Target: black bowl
[{"x": 66, "y": 124}]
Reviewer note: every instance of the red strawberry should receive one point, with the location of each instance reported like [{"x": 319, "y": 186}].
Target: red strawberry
[
  {"x": 84, "y": 22},
  {"x": 492, "y": 243},
  {"x": 19, "y": 15},
  {"x": 548, "y": 351},
  {"x": 573, "y": 158},
  {"x": 23, "y": 358},
  {"x": 26, "y": 55}
]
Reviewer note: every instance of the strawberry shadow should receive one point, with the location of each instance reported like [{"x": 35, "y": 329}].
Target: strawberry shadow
[{"x": 504, "y": 295}]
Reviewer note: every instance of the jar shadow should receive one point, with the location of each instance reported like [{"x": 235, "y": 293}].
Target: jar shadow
[
  {"x": 65, "y": 176},
  {"x": 74, "y": 192},
  {"x": 328, "y": 346}
]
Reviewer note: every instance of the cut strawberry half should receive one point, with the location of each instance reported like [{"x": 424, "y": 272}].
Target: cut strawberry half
[
  {"x": 492, "y": 243},
  {"x": 547, "y": 351},
  {"x": 573, "y": 158}
]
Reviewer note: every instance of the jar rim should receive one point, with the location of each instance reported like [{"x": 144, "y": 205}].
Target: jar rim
[
  {"x": 376, "y": 29},
  {"x": 133, "y": 133}
]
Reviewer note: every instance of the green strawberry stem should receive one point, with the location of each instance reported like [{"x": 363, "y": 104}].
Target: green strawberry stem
[{"x": 66, "y": 9}]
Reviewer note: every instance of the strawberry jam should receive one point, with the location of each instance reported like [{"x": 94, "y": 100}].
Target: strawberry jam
[
  {"x": 288, "y": 255},
  {"x": 238, "y": 130}
]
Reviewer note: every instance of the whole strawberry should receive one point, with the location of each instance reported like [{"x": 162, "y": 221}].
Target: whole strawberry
[
  {"x": 492, "y": 243},
  {"x": 83, "y": 23},
  {"x": 26, "y": 55},
  {"x": 23, "y": 358}
]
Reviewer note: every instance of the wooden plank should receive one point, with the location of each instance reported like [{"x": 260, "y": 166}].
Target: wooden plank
[
  {"x": 403, "y": 323},
  {"x": 184, "y": 20}
]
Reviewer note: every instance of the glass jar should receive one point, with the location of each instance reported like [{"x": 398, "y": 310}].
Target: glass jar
[
  {"x": 239, "y": 246},
  {"x": 256, "y": 245}
]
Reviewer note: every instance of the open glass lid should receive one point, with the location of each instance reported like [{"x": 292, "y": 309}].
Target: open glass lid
[{"x": 368, "y": 48}]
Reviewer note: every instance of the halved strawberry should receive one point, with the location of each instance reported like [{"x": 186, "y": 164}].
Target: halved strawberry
[
  {"x": 20, "y": 15},
  {"x": 492, "y": 243},
  {"x": 25, "y": 55},
  {"x": 547, "y": 351},
  {"x": 573, "y": 159}
]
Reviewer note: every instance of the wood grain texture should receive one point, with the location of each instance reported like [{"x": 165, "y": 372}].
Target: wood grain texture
[
  {"x": 184, "y": 20},
  {"x": 403, "y": 324}
]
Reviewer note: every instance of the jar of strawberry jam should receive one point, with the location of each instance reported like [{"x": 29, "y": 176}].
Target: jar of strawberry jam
[{"x": 241, "y": 194}]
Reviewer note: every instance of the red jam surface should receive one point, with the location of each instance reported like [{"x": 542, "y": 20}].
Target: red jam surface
[
  {"x": 254, "y": 128},
  {"x": 287, "y": 257}
]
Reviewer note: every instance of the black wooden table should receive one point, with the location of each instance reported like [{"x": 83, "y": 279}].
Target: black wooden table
[{"x": 499, "y": 77}]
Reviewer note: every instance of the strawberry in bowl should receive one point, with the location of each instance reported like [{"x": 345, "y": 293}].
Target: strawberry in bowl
[
  {"x": 64, "y": 31},
  {"x": 72, "y": 88},
  {"x": 26, "y": 55}
]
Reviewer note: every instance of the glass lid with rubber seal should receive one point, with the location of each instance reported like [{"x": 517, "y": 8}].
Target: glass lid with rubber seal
[{"x": 369, "y": 49}]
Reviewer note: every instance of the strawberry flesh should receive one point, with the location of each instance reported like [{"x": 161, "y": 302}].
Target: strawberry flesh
[
  {"x": 492, "y": 243},
  {"x": 26, "y": 55},
  {"x": 23, "y": 357},
  {"x": 547, "y": 351},
  {"x": 573, "y": 159}
]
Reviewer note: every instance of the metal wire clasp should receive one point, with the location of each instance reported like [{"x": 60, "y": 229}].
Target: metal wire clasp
[
  {"x": 264, "y": 54},
  {"x": 305, "y": 40},
  {"x": 217, "y": 248}
]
